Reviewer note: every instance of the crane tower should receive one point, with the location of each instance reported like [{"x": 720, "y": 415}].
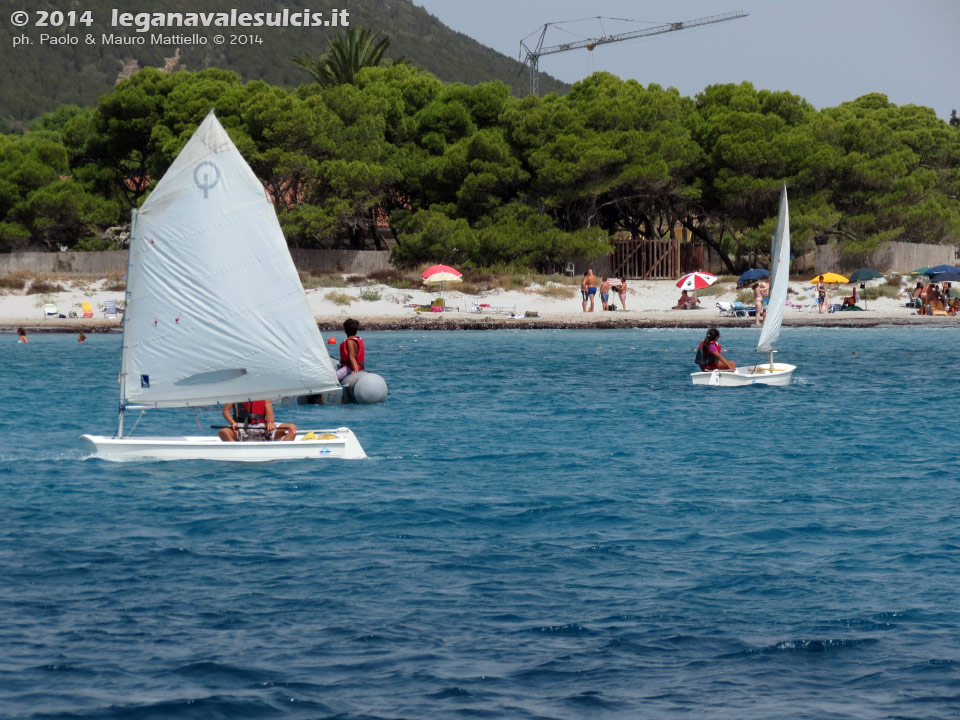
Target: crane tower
[{"x": 532, "y": 59}]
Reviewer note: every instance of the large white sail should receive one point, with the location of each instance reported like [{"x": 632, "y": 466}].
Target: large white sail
[
  {"x": 215, "y": 310},
  {"x": 779, "y": 278}
]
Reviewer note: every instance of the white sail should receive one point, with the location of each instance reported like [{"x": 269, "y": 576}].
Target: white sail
[
  {"x": 215, "y": 310},
  {"x": 779, "y": 278}
]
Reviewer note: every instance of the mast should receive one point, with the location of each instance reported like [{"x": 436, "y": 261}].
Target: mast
[{"x": 123, "y": 325}]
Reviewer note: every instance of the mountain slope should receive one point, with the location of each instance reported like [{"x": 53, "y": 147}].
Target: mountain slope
[{"x": 39, "y": 78}]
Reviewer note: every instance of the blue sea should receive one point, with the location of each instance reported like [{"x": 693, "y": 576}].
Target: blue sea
[{"x": 551, "y": 524}]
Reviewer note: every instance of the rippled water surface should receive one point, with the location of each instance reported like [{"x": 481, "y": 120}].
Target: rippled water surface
[{"x": 551, "y": 524}]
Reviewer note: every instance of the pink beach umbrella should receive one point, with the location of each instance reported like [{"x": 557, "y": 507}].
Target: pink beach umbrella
[{"x": 440, "y": 274}]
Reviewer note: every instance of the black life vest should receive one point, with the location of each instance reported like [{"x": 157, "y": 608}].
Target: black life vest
[{"x": 702, "y": 358}]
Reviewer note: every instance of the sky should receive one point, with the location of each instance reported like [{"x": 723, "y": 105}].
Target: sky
[{"x": 826, "y": 51}]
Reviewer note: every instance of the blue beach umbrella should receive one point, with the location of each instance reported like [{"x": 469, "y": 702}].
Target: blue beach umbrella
[
  {"x": 941, "y": 269},
  {"x": 946, "y": 276},
  {"x": 753, "y": 274}
]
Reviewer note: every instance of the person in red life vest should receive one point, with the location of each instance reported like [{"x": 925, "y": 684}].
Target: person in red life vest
[
  {"x": 351, "y": 350},
  {"x": 254, "y": 421},
  {"x": 709, "y": 355}
]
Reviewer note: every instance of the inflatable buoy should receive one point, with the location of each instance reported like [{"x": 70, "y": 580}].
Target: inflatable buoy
[
  {"x": 369, "y": 389},
  {"x": 331, "y": 341},
  {"x": 361, "y": 388}
]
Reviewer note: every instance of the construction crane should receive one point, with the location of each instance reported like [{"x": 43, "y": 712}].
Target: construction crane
[{"x": 533, "y": 56}]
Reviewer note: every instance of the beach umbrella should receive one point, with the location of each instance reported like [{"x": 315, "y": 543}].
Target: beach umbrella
[
  {"x": 861, "y": 276},
  {"x": 946, "y": 276},
  {"x": 937, "y": 269},
  {"x": 440, "y": 275},
  {"x": 830, "y": 278},
  {"x": 696, "y": 281},
  {"x": 919, "y": 271},
  {"x": 864, "y": 274},
  {"x": 753, "y": 274}
]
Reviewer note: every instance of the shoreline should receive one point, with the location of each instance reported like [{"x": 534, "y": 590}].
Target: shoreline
[
  {"x": 469, "y": 321},
  {"x": 553, "y": 307}
]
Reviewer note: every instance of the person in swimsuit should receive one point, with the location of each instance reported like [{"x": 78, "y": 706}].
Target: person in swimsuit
[
  {"x": 758, "y": 304},
  {"x": 713, "y": 353},
  {"x": 591, "y": 281},
  {"x": 22, "y": 336},
  {"x": 585, "y": 289},
  {"x": 605, "y": 294},
  {"x": 622, "y": 292},
  {"x": 821, "y": 294}
]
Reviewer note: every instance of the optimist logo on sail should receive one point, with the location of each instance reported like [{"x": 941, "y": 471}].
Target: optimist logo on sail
[{"x": 201, "y": 177}]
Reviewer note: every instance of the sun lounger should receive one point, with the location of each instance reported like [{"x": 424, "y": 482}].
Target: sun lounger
[
  {"x": 498, "y": 309},
  {"x": 50, "y": 311}
]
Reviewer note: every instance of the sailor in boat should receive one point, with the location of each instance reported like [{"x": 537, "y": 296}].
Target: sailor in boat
[
  {"x": 352, "y": 351},
  {"x": 254, "y": 421},
  {"x": 709, "y": 353}
]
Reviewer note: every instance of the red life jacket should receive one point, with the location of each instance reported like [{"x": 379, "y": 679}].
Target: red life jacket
[
  {"x": 345, "y": 356},
  {"x": 252, "y": 412}
]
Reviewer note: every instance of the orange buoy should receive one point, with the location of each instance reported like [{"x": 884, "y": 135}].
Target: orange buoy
[{"x": 331, "y": 341}]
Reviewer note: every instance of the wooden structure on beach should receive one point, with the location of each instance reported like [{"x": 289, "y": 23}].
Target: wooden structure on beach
[{"x": 646, "y": 259}]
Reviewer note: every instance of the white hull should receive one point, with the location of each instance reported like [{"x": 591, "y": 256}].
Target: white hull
[
  {"x": 759, "y": 375},
  {"x": 339, "y": 444}
]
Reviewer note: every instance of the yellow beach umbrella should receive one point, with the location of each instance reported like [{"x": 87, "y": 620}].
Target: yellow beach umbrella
[{"x": 829, "y": 278}]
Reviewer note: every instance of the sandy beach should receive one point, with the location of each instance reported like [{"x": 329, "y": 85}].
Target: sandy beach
[{"x": 379, "y": 307}]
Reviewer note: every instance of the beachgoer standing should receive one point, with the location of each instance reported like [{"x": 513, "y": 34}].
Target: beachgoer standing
[
  {"x": 585, "y": 289},
  {"x": 622, "y": 292},
  {"x": 605, "y": 294},
  {"x": 821, "y": 294},
  {"x": 758, "y": 304},
  {"x": 592, "y": 283}
]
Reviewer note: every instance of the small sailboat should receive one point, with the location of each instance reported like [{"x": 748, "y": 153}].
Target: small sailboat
[
  {"x": 770, "y": 373},
  {"x": 215, "y": 312}
]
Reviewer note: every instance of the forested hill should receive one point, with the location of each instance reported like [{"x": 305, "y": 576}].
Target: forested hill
[{"x": 38, "y": 79}]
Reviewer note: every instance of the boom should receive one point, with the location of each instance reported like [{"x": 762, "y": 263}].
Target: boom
[{"x": 533, "y": 55}]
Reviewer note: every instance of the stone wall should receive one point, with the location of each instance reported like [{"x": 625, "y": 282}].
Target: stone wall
[{"x": 99, "y": 264}]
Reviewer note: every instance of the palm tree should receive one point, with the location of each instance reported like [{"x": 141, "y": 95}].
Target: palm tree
[{"x": 345, "y": 56}]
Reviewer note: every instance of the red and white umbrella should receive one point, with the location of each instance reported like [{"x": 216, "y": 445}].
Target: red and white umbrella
[
  {"x": 696, "y": 281},
  {"x": 440, "y": 274}
]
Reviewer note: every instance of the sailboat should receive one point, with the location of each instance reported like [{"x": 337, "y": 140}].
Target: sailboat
[
  {"x": 215, "y": 312},
  {"x": 770, "y": 373}
]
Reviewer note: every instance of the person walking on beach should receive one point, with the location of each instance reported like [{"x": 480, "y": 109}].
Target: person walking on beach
[
  {"x": 22, "y": 336},
  {"x": 590, "y": 283},
  {"x": 821, "y": 294},
  {"x": 622, "y": 292},
  {"x": 605, "y": 294}
]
